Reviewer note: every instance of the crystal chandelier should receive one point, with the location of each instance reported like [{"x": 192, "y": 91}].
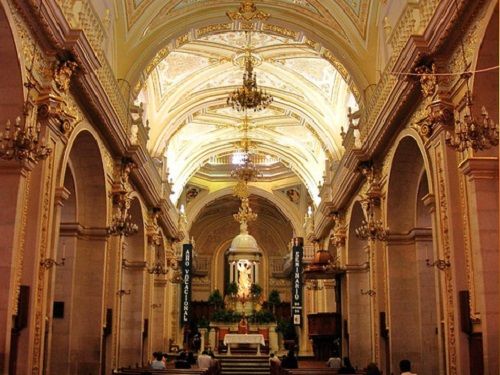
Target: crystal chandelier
[
  {"x": 158, "y": 268},
  {"x": 370, "y": 228},
  {"x": 122, "y": 224},
  {"x": 23, "y": 143},
  {"x": 478, "y": 134},
  {"x": 470, "y": 132},
  {"x": 247, "y": 170},
  {"x": 249, "y": 96}
]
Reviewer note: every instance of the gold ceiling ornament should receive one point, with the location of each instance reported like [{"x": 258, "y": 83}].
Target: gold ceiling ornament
[
  {"x": 248, "y": 12},
  {"x": 249, "y": 96},
  {"x": 245, "y": 215}
]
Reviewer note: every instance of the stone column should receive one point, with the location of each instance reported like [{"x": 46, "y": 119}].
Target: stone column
[
  {"x": 14, "y": 190},
  {"x": 448, "y": 246},
  {"x": 481, "y": 192}
]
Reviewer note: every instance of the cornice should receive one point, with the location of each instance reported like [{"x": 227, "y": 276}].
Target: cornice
[
  {"x": 401, "y": 99},
  {"x": 57, "y": 38}
]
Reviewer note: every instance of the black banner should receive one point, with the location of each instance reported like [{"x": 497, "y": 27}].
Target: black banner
[
  {"x": 187, "y": 256},
  {"x": 298, "y": 252}
]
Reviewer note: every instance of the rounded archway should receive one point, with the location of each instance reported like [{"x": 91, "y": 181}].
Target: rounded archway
[
  {"x": 133, "y": 312},
  {"x": 413, "y": 296},
  {"x": 77, "y": 290},
  {"x": 357, "y": 338}
]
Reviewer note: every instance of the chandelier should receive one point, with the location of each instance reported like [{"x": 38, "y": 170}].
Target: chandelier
[
  {"x": 23, "y": 143},
  {"x": 371, "y": 228},
  {"x": 122, "y": 224},
  {"x": 478, "y": 134},
  {"x": 249, "y": 96},
  {"x": 247, "y": 170},
  {"x": 471, "y": 132},
  {"x": 158, "y": 268}
]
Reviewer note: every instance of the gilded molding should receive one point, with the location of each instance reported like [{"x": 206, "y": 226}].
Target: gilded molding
[
  {"x": 40, "y": 284},
  {"x": 448, "y": 276},
  {"x": 19, "y": 260},
  {"x": 469, "y": 259}
]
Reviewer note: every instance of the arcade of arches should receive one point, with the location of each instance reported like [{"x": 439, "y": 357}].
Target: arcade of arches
[{"x": 125, "y": 153}]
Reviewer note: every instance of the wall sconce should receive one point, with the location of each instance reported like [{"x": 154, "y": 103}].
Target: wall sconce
[
  {"x": 157, "y": 269},
  {"x": 440, "y": 264},
  {"x": 369, "y": 292},
  {"x": 123, "y": 292},
  {"x": 48, "y": 263}
]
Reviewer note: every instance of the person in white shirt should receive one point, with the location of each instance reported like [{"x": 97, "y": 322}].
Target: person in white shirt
[
  {"x": 405, "y": 367},
  {"x": 334, "y": 362},
  {"x": 158, "y": 363},
  {"x": 204, "y": 360}
]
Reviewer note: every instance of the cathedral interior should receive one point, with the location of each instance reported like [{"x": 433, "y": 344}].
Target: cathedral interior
[{"x": 322, "y": 173}]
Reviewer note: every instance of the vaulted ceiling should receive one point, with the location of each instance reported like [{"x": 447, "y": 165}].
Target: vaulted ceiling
[{"x": 183, "y": 57}]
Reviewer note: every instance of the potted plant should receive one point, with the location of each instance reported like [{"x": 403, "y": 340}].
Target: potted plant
[
  {"x": 232, "y": 289},
  {"x": 255, "y": 291},
  {"x": 274, "y": 299},
  {"x": 215, "y": 299}
]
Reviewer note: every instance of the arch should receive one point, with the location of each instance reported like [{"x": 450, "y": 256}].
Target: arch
[
  {"x": 83, "y": 243},
  {"x": 485, "y": 85},
  {"x": 357, "y": 309},
  {"x": 338, "y": 52},
  {"x": 289, "y": 212},
  {"x": 412, "y": 289},
  {"x": 12, "y": 189},
  {"x": 133, "y": 311},
  {"x": 12, "y": 90}
]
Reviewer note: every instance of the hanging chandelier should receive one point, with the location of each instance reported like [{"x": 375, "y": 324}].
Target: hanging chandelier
[
  {"x": 471, "y": 132},
  {"x": 249, "y": 96},
  {"x": 23, "y": 143},
  {"x": 371, "y": 229},
  {"x": 247, "y": 170}
]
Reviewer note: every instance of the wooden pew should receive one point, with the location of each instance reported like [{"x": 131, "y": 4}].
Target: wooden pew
[{"x": 315, "y": 371}]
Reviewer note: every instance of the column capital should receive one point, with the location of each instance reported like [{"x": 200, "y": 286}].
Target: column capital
[{"x": 476, "y": 168}]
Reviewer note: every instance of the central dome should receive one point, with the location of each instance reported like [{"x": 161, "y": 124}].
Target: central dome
[{"x": 244, "y": 242}]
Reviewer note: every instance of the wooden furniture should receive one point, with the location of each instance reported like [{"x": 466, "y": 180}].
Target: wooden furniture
[
  {"x": 243, "y": 339},
  {"x": 324, "y": 330}
]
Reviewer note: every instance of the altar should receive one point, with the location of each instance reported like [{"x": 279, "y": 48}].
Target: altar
[{"x": 237, "y": 338}]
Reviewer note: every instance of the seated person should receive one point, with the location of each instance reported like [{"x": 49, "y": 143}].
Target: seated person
[
  {"x": 158, "y": 363},
  {"x": 204, "y": 360},
  {"x": 334, "y": 362},
  {"x": 290, "y": 361},
  {"x": 182, "y": 362},
  {"x": 275, "y": 359}
]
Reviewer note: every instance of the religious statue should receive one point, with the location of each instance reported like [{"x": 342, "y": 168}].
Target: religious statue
[{"x": 244, "y": 282}]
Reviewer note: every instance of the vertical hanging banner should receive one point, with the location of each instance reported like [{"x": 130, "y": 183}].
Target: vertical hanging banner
[
  {"x": 298, "y": 251},
  {"x": 187, "y": 256}
]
